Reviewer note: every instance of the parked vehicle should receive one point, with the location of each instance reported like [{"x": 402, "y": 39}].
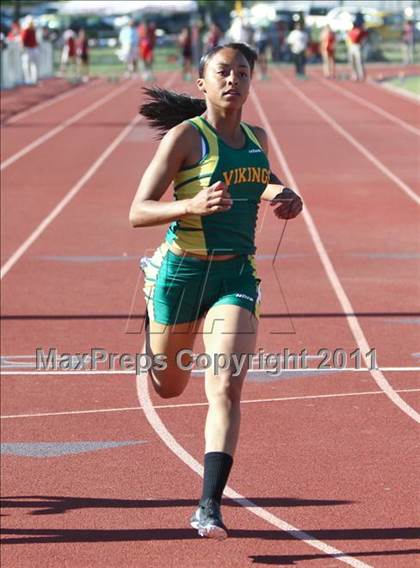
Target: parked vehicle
[{"x": 316, "y": 17}]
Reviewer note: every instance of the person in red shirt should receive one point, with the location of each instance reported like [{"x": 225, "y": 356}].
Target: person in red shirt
[
  {"x": 214, "y": 37},
  {"x": 30, "y": 53},
  {"x": 28, "y": 36},
  {"x": 328, "y": 52},
  {"x": 185, "y": 43},
  {"x": 68, "y": 55},
  {"x": 355, "y": 39},
  {"x": 82, "y": 53},
  {"x": 15, "y": 32},
  {"x": 147, "y": 41}
]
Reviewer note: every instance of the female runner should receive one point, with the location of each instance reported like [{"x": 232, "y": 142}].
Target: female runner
[{"x": 205, "y": 266}]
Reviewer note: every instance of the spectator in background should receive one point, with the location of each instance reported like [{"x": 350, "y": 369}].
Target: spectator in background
[
  {"x": 313, "y": 53},
  {"x": 328, "y": 52},
  {"x": 147, "y": 42},
  {"x": 355, "y": 38},
  {"x": 196, "y": 41},
  {"x": 185, "y": 44},
  {"x": 30, "y": 52},
  {"x": 45, "y": 34},
  {"x": 15, "y": 32},
  {"x": 279, "y": 41},
  {"x": 240, "y": 31},
  {"x": 298, "y": 42},
  {"x": 408, "y": 38},
  {"x": 262, "y": 40},
  {"x": 128, "y": 52},
  {"x": 214, "y": 37},
  {"x": 68, "y": 53},
  {"x": 82, "y": 53}
]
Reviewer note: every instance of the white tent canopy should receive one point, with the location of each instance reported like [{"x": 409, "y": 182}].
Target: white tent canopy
[{"x": 108, "y": 7}]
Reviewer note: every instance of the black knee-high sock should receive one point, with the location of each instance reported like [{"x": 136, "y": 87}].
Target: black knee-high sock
[{"x": 217, "y": 466}]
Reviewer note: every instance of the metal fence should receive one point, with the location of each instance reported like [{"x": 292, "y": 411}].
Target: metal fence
[{"x": 12, "y": 64}]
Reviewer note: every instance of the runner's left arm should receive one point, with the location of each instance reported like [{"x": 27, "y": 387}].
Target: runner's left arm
[{"x": 286, "y": 202}]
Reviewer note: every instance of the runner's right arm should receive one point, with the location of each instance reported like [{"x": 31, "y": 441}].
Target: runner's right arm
[{"x": 178, "y": 148}]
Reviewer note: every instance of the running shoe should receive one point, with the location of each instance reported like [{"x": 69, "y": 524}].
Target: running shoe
[{"x": 207, "y": 519}]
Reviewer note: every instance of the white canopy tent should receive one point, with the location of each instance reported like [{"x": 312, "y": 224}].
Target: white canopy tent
[{"x": 109, "y": 7}]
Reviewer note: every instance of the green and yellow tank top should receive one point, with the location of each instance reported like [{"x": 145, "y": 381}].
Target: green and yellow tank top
[{"x": 245, "y": 171}]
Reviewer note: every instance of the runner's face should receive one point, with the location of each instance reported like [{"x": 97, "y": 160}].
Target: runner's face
[{"x": 227, "y": 78}]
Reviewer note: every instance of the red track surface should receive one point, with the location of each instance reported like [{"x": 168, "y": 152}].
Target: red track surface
[
  {"x": 22, "y": 99},
  {"x": 341, "y": 468}
]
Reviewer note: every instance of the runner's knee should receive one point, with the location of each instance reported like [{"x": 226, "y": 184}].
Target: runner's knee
[
  {"x": 225, "y": 387},
  {"x": 168, "y": 392},
  {"x": 171, "y": 388}
]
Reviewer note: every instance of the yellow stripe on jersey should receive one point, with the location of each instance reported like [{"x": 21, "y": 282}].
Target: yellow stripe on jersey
[
  {"x": 207, "y": 164},
  {"x": 188, "y": 182},
  {"x": 251, "y": 134}
]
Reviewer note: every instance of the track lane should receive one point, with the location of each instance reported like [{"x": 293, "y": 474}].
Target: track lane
[
  {"x": 379, "y": 531},
  {"x": 381, "y": 137},
  {"x": 21, "y": 115},
  {"x": 51, "y": 133},
  {"x": 372, "y": 92},
  {"x": 19, "y": 134},
  {"x": 55, "y": 172},
  {"x": 312, "y": 328},
  {"x": 91, "y": 235},
  {"x": 347, "y": 242},
  {"x": 410, "y": 171},
  {"x": 376, "y": 109},
  {"x": 345, "y": 508}
]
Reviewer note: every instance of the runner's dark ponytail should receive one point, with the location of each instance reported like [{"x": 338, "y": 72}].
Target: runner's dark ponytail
[{"x": 165, "y": 109}]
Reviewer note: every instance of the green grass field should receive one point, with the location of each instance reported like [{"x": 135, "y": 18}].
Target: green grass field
[
  {"x": 104, "y": 61},
  {"x": 411, "y": 84}
]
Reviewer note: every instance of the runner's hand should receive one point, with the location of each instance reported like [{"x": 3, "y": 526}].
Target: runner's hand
[
  {"x": 213, "y": 199},
  {"x": 287, "y": 204}
]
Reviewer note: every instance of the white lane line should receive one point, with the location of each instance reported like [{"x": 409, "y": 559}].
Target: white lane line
[
  {"x": 194, "y": 404},
  {"x": 399, "y": 182},
  {"x": 372, "y": 106},
  {"x": 44, "y": 373},
  {"x": 168, "y": 439},
  {"x": 332, "y": 276},
  {"x": 69, "y": 196},
  {"x": 73, "y": 91},
  {"x": 59, "y": 128}
]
